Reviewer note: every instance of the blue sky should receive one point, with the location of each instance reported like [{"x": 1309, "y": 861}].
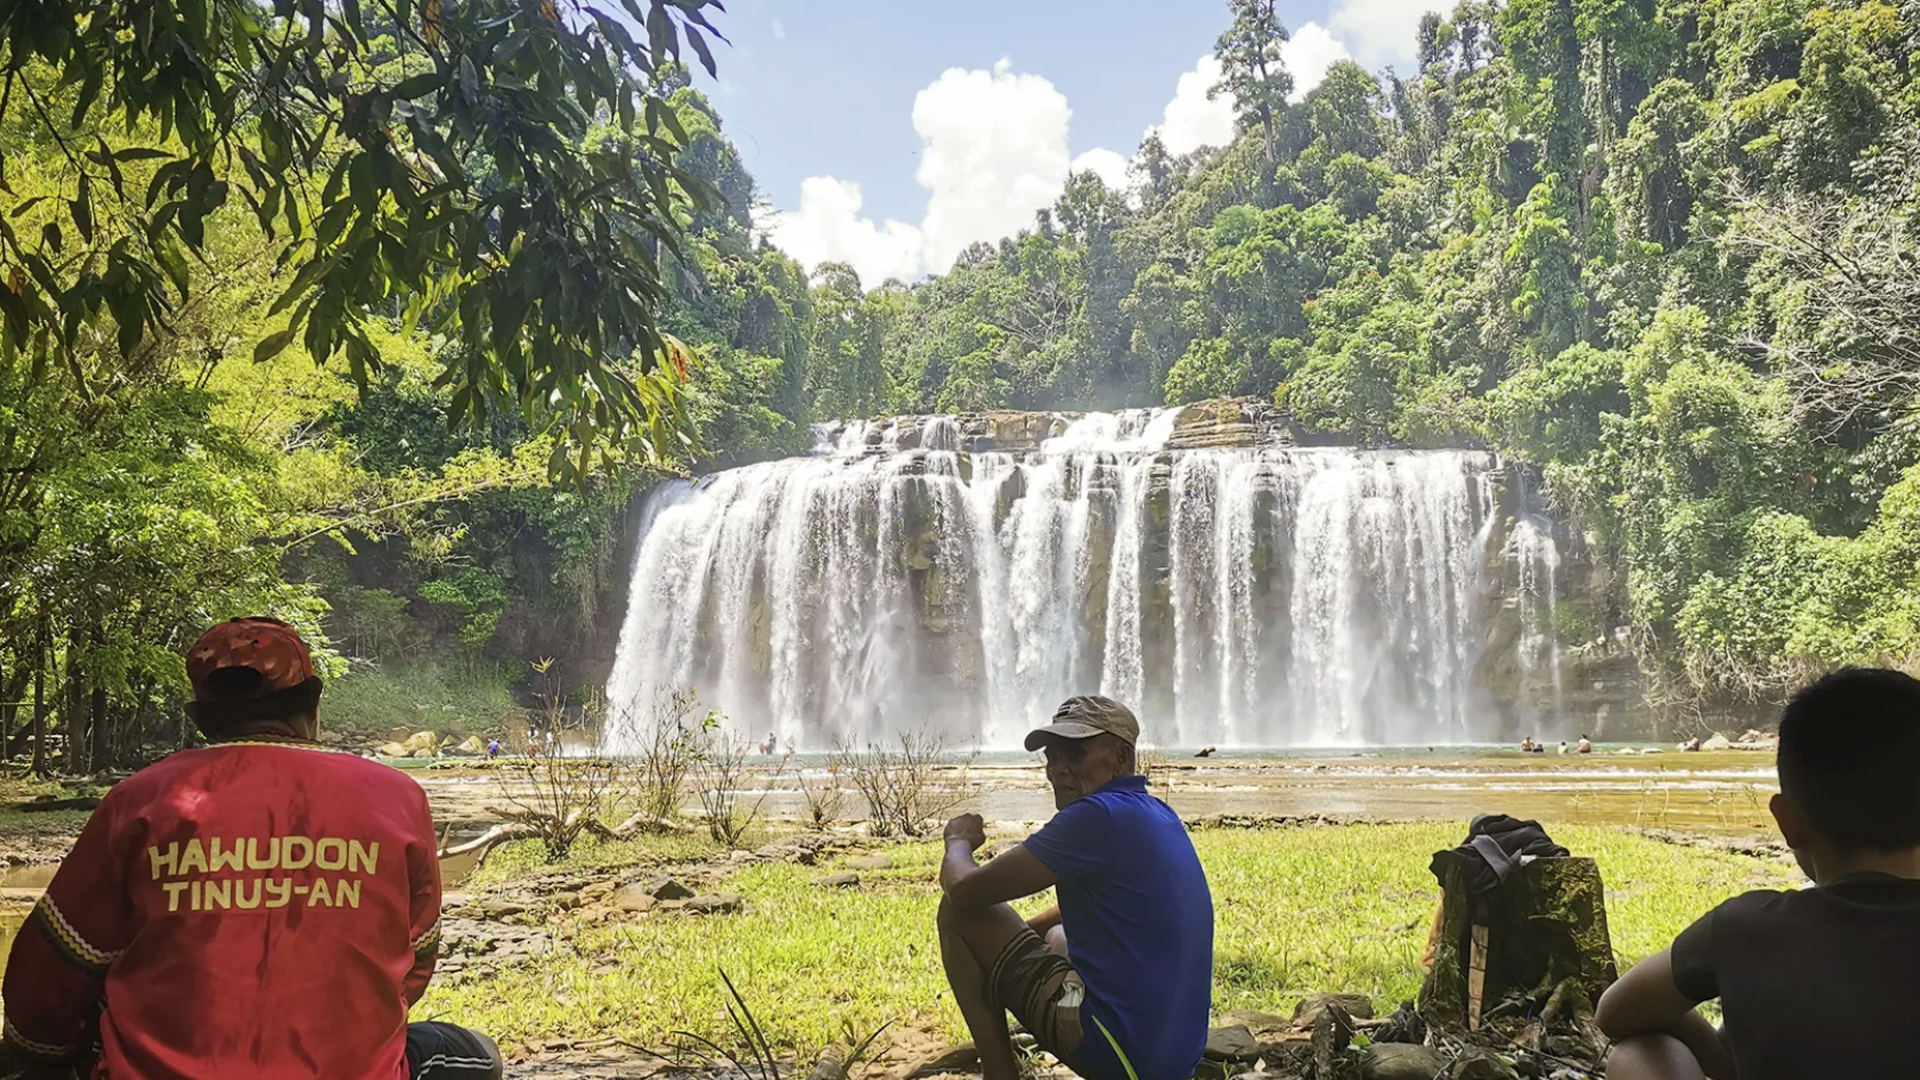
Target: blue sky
[{"x": 891, "y": 133}]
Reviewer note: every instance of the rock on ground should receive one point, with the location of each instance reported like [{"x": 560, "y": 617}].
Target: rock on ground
[
  {"x": 632, "y": 899},
  {"x": 713, "y": 903},
  {"x": 472, "y": 947},
  {"x": 667, "y": 888},
  {"x": 1234, "y": 1043},
  {"x": 1477, "y": 1064},
  {"x": 1357, "y": 1006},
  {"x": 1257, "y": 1021},
  {"x": 876, "y": 861},
  {"x": 1400, "y": 1061}
]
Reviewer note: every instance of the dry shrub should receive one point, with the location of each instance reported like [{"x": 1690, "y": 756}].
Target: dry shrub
[
  {"x": 1153, "y": 764},
  {"x": 557, "y": 795},
  {"x": 824, "y": 798},
  {"x": 670, "y": 741},
  {"x": 902, "y": 788},
  {"x": 724, "y": 774}
]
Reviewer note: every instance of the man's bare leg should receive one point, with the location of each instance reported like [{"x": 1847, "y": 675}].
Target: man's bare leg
[
  {"x": 1653, "y": 1057},
  {"x": 970, "y": 941}
]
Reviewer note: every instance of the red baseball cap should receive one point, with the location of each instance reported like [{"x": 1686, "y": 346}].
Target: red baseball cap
[{"x": 265, "y": 645}]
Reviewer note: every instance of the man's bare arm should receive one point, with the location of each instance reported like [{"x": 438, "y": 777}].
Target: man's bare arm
[
  {"x": 1646, "y": 1001},
  {"x": 1046, "y": 920},
  {"x": 1014, "y": 874}
]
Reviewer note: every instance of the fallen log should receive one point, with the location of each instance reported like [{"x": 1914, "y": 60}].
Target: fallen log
[
  {"x": 486, "y": 842},
  {"x": 44, "y": 805},
  {"x": 640, "y": 823}
]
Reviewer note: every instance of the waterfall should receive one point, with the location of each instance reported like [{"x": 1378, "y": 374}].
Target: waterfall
[
  {"x": 1537, "y": 562},
  {"x": 916, "y": 572}
]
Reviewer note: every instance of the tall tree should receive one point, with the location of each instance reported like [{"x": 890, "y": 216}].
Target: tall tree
[
  {"x": 420, "y": 156},
  {"x": 1252, "y": 67}
]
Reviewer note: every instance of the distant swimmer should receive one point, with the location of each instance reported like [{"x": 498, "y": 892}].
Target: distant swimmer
[
  {"x": 1563, "y": 746},
  {"x": 1585, "y": 746},
  {"x": 1526, "y": 745}
]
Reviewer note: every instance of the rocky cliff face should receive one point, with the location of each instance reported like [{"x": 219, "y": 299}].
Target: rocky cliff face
[{"x": 1218, "y": 424}]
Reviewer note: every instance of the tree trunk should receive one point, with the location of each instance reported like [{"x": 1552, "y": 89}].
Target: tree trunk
[
  {"x": 1544, "y": 930},
  {"x": 40, "y": 700},
  {"x": 9, "y": 712},
  {"x": 102, "y": 756},
  {"x": 75, "y": 715}
]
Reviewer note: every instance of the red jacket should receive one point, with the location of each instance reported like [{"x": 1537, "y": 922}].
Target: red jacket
[{"x": 259, "y": 909}]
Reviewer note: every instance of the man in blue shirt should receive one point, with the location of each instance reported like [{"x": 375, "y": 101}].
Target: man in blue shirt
[{"x": 1122, "y": 970}]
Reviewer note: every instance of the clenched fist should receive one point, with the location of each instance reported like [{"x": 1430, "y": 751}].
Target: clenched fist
[{"x": 968, "y": 827}]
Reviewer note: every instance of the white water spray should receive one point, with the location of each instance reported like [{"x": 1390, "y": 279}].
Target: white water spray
[{"x": 1255, "y": 597}]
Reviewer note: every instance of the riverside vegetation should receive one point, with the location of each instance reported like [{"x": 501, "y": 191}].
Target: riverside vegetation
[
  {"x": 1300, "y": 911},
  {"x": 1662, "y": 248}
]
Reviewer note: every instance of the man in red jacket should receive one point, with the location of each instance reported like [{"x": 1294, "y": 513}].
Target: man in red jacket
[{"x": 259, "y": 908}]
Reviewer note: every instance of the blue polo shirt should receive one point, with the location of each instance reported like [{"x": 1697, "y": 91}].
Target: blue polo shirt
[{"x": 1139, "y": 922}]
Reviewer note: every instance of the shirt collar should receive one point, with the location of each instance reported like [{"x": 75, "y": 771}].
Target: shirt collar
[
  {"x": 1125, "y": 783},
  {"x": 263, "y": 737}
]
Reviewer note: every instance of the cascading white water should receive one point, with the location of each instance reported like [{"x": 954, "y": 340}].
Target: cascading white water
[
  {"x": 1537, "y": 558},
  {"x": 1240, "y": 597}
]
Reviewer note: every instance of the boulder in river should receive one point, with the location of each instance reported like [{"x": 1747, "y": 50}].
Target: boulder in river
[{"x": 420, "y": 740}]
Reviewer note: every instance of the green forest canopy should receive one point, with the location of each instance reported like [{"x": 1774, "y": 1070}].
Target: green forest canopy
[{"x": 1665, "y": 250}]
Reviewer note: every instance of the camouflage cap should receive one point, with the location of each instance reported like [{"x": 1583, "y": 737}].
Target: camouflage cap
[{"x": 267, "y": 646}]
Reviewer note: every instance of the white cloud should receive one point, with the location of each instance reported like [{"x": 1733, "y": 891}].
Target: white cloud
[
  {"x": 1109, "y": 166},
  {"x": 1309, "y": 53},
  {"x": 1381, "y": 31},
  {"x": 1193, "y": 120},
  {"x": 779, "y": 29},
  {"x": 828, "y": 228},
  {"x": 993, "y": 150}
]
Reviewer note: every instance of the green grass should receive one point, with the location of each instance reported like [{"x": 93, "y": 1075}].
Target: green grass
[
  {"x": 20, "y": 823},
  {"x": 590, "y": 853},
  {"x": 370, "y": 700},
  {"x": 1298, "y": 911}
]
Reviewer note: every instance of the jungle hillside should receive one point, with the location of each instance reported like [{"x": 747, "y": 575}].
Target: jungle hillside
[{"x": 1665, "y": 251}]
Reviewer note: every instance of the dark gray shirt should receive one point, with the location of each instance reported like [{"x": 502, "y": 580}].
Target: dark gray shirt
[{"x": 1815, "y": 983}]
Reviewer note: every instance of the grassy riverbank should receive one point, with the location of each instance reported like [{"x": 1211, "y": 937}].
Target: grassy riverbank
[{"x": 1299, "y": 911}]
